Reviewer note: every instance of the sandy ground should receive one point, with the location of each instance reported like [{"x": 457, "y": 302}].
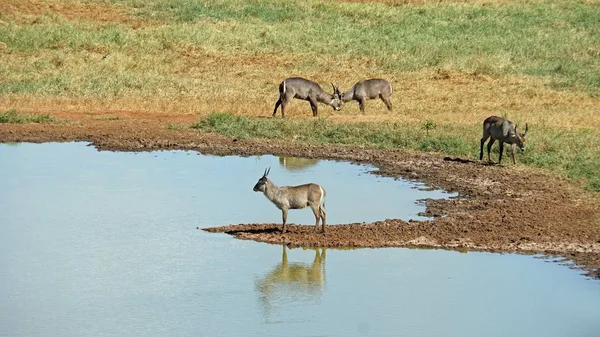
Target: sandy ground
[{"x": 499, "y": 208}]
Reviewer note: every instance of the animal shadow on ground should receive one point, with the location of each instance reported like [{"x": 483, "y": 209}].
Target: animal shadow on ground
[
  {"x": 275, "y": 229},
  {"x": 459, "y": 160},
  {"x": 468, "y": 161}
]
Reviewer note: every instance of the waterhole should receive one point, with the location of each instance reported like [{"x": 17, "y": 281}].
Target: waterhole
[{"x": 105, "y": 244}]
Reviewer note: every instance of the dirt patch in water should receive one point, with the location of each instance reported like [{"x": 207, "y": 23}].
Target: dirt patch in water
[{"x": 499, "y": 208}]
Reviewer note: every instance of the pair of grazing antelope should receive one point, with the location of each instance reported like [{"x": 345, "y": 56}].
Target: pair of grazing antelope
[
  {"x": 307, "y": 90},
  {"x": 312, "y": 195}
]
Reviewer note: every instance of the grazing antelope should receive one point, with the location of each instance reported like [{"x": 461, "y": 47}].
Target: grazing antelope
[
  {"x": 294, "y": 197},
  {"x": 301, "y": 88},
  {"x": 369, "y": 89},
  {"x": 504, "y": 131}
]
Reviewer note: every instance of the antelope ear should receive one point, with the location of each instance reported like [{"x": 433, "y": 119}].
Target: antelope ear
[{"x": 526, "y": 129}]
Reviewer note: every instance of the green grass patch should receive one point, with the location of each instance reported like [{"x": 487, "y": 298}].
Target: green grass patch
[
  {"x": 13, "y": 117},
  {"x": 380, "y": 135},
  {"x": 574, "y": 154}
]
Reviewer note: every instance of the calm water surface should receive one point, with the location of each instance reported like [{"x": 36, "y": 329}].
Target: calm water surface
[{"x": 105, "y": 244}]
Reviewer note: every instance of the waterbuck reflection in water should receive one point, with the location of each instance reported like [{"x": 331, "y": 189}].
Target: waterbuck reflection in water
[
  {"x": 292, "y": 281},
  {"x": 296, "y": 164}
]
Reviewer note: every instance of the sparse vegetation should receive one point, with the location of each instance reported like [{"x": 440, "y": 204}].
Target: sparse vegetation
[
  {"x": 428, "y": 125},
  {"x": 14, "y": 117},
  {"x": 174, "y": 126},
  {"x": 107, "y": 118}
]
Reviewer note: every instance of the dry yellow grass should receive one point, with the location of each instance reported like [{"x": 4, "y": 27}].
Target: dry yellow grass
[
  {"x": 30, "y": 11},
  {"x": 247, "y": 85}
]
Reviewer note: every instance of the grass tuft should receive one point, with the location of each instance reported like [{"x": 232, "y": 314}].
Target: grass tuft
[{"x": 13, "y": 117}]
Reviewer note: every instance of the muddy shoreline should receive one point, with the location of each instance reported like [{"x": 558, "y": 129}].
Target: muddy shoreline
[{"x": 499, "y": 208}]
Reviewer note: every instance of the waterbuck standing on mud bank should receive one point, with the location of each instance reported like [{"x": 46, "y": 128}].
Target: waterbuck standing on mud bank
[
  {"x": 369, "y": 89},
  {"x": 301, "y": 88},
  {"x": 504, "y": 131},
  {"x": 294, "y": 197}
]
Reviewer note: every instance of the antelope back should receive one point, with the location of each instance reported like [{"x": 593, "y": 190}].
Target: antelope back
[
  {"x": 503, "y": 130},
  {"x": 368, "y": 89},
  {"x": 311, "y": 192},
  {"x": 302, "y": 88}
]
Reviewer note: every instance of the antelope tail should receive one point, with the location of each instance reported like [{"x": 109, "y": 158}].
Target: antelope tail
[{"x": 322, "y": 201}]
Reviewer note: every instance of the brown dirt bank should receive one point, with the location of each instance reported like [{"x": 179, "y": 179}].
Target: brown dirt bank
[{"x": 508, "y": 209}]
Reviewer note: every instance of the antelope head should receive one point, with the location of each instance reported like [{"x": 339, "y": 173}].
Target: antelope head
[
  {"x": 260, "y": 185},
  {"x": 519, "y": 138},
  {"x": 336, "y": 102}
]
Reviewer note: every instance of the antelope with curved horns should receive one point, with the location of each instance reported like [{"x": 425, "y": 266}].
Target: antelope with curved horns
[
  {"x": 307, "y": 90},
  {"x": 369, "y": 89},
  {"x": 294, "y": 197},
  {"x": 504, "y": 131}
]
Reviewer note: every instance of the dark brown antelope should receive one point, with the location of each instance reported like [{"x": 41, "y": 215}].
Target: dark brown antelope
[
  {"x": 503, "y": 131},
  {"x": 301, "y": 88},
  {"x": 294, "y": 197},
  {"x": 369, "y": 89}
]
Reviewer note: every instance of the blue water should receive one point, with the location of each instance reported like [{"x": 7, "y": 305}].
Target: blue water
[{"x": 105, "y": 244}]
